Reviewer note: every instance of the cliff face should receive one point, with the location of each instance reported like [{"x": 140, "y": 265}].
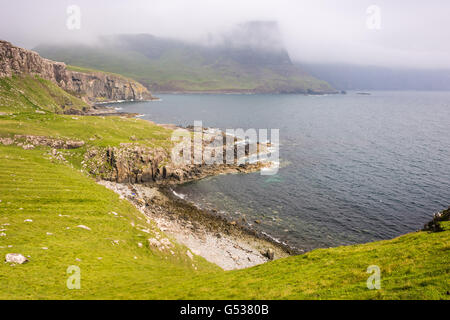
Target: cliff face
[
  {"x": 91, "y": 87},
  {"x": 100, "y": 86}
]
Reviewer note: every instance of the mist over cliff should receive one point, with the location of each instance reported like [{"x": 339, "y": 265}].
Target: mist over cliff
[
  {"x": 249, "y": 58},
  {"x": 410, "y": 33}
]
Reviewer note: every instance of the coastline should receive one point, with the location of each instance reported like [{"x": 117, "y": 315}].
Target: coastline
[
  {"x": 229, "y": 245},
  {"x": 246, "y": 92}
]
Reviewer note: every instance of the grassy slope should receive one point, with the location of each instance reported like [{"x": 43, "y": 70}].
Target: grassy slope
[
  {"x": 415, "y": 266},
  {"x": 97, "y": 131},
  {"x": 28, "y": 93},
  {"x": 33, "y": 187},
  {"x": 180, "y": 69}
]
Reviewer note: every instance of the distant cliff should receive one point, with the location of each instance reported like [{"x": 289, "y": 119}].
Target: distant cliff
[
  {"x": 90, "y": 86},
  {"x": 251, "y": 58}
]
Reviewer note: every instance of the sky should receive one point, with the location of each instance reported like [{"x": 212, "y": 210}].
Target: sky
[{"x": 400, "y": 33}]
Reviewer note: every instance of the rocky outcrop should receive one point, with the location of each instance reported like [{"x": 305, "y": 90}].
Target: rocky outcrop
[
  {"x": 91, "y": 87},
  {"x": 102, "y": 87},
  {"x": 134, "y": 163},
  {"x": 29, "y": 142},
  {"x": 127, "y": 163},
  {"x": 434, "y": 225}
]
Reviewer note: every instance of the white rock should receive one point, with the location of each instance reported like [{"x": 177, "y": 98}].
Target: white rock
[
  {"x": 2, "y": 234},
  {"x": 140, "y": 245},
  {"x": 44, "y": 248},
  {"x": 166, "y": 242},
  {"x": 15, "y": 258},
  {"x": 190, "y": 255},
  {"x": 84, "y": 227},
  {"x": 154, "y": 243},
  {"x": 27, "y": 220},
  {"x": 49, "y": 233}
]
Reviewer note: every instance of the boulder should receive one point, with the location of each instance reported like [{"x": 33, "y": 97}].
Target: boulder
[
  {"x": 84, "y": 227},
  {"x": 6, "y": 141},
  {"x": 15, "y": 258},
  {"x": 269, "y": 254}
]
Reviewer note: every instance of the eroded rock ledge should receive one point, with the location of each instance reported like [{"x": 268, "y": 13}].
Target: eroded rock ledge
[
  {"x": 434, "y": 225},
  {"x": 134, "y": 163}
]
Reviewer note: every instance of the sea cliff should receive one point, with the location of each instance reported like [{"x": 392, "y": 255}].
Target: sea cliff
[{"x": 90, "y": 86}]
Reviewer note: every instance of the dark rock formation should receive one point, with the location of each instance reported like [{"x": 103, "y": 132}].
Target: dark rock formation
[
  {"x": 127, "y": 163},
  {"x": 434, "y": 225},
  {"x": 134, "y": 163},
  {"x": 91, "y": 87}
]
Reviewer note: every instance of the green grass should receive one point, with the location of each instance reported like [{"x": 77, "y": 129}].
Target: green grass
[
  {"x": 95, "y": 131},
  {"x": 414, "y": 266},
  {"x": 30, "y": 93},
  {"x": 33, "y": 187},
  {"x": 90, "y": 70},
  {"x": 58, "y": 196}
]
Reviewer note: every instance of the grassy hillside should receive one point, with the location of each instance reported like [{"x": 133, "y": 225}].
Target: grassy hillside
[
  {"x": 166, "y": 65},
  {"x": 30, "y": 93},
  {"x": 58, "y": 197},
  {"x": 414, "y": 266}
]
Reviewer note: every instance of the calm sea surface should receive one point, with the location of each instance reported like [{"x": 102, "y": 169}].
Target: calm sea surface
[{"x": 354, "y": 168}]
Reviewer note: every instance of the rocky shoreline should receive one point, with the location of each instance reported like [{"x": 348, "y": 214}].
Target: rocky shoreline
[
  {"x": 144, "y": 177},
  {"x": 227, "y": 244}
]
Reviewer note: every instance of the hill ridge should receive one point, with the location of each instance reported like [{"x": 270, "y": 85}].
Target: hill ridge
[{"x": 167, "y": 65}]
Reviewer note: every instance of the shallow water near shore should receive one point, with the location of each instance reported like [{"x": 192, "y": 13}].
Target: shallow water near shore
[{"x": 354, "y": 168}]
